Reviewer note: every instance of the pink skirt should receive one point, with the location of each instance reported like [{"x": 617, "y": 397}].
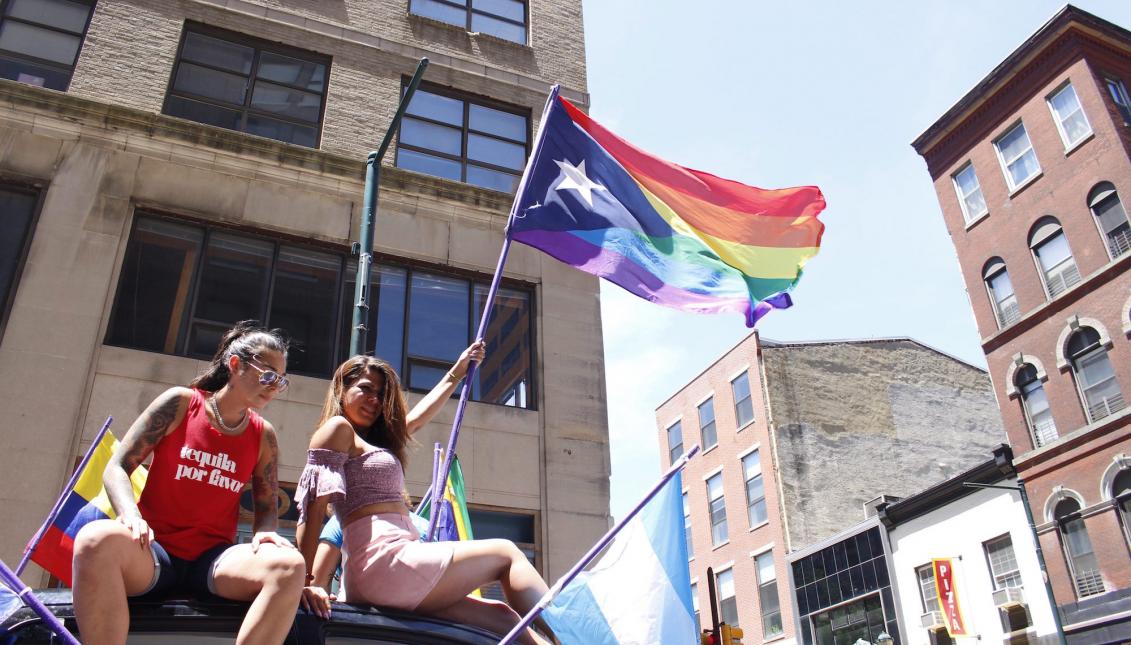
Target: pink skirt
[{"x": 385, "y": 564}]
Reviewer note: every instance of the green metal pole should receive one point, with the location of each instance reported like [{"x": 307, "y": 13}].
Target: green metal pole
[
  {"x": 1041, "y": 562},
  {"x": 364, "y": 248}
]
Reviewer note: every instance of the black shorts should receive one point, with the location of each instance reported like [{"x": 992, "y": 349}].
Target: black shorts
[{"x": 173, "y": 576}]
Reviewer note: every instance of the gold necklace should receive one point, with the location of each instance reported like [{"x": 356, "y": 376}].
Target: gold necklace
[{"x": 219, "y": 419}]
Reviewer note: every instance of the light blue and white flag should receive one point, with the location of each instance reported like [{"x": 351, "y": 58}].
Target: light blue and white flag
[
  {"x": 10, "y": 603},
  {"x": 640, "y": 590}
]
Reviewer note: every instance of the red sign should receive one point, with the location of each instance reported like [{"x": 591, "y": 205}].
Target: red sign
[{"x": 948, "y": 596}]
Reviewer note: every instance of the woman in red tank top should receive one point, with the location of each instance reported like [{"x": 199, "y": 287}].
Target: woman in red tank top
[{"x": 207, "y": 442}]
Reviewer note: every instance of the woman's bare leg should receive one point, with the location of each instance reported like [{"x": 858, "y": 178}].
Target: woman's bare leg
[
  {"x": 109, "y": 565},
  {"x": 479, "y": 562},
  {"x": 272, "y": 579}
]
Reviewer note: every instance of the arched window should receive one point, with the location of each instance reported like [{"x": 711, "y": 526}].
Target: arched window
[
  {"x": 1121, "y": 493},
  {"x": 1054, "y": 258},
  {"x": 1000, "y": 288},
  {"x": 1078, "y": 548},
  {"x": 1111, "y": 218},
  {"x": 1036, "y": 405},
  {"x": 1094, "y": 376}
]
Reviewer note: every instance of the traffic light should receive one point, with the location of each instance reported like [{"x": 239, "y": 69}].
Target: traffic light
[
  {"x": 708, "y": 638},
  {"x": 730, "y": 635}
]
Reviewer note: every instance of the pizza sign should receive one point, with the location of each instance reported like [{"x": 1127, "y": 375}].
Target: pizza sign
[{"x": 948, "y": 596}]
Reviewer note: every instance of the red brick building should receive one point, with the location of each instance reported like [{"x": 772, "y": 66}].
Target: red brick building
[{"x": 1033, "y": 171}]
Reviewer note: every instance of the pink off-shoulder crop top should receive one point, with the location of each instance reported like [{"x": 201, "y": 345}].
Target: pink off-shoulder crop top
[{"x": 351, "y": 482}]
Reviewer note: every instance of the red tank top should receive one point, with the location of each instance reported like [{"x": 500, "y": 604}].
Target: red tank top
[{"x": 192, "y": 496}]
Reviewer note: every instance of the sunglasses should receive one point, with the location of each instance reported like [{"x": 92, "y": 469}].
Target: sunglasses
[{"x": 269, "y": 377}]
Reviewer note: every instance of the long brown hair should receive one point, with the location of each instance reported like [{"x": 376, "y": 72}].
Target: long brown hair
[
  {"x": 390, "y": 430},
  {"x": 246, "y": 339}
]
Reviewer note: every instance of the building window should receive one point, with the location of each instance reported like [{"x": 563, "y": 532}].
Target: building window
[
  {"x": 1003, "y": 564},
  {"x": 768, "y": 595},
  {"x": 728, "y": 602},
  {"x": 1094, "y": 374},
  {"x": 1000, "y": 288},
  {"x": 675, "y": 442},
  {"x": 182, "y": 285},
  {"x": 718, "y": 510},
  {"x": 1054, "y": 257},
  {"x": 755, "y": 490},
  {"x": 1018, "y": 159},
  {"x": 743, "y": 405},
  {"x": 927, "y": 592},
  {"x": 469, "y": 140},
  {"x": 707, "y": 424},
  {"x": 17, "y": 214},
  {"x": 687, "y": 526},
  {"x": 1111, "y": 218},
  {"x": 40, "y": 40},
  {"x": 969, "y": 193},
  {"x": 1069, "y": 115},
  {"x": 239, "y": 83},
  {"x": 695, "y": 603},
  {"x": 504, "y": 19},
  {"x": 1036, "y": 405},
  {"x": 861, "y": 619},
  {"x": 1121, "y": 493},
  {"x": 1078, "y": 548},
  {"x": 1118, "y": 92},
  {"x": 519, "y": 528}
]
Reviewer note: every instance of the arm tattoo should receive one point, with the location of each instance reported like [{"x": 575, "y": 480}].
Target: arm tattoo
[
  {"x": 265, "y": 485},
  {"x": 142, "y": 437}
]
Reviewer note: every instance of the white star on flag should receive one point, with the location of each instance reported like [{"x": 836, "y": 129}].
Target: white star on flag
[{"x": 573, "y": 177}]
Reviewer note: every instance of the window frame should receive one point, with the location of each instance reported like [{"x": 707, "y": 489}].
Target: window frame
[
  {"x": 1057, "y": 270},
  {"x": 1026, "y": 409},
  {"x": 749, "y": 397},
  {"x": 1068, "y": 145},
  {"x": 724, "y": 523},
  {"x": 994, "y": 575},
  {"x": 1093, "y": 352},
  {"x": 668, "y": 432},
  {"x": 969, "y": 217},
  {"x": 763, "y": 587},
  {"x": 8, "y": 300},
  {"x": 1014, "y": 187},
  {"x": 1062, "y": 521},
  {"x": 1097, "y": 196},
  {"x": 69, "y": 70},
  {"x": 470, "y": 11},
  {"x": 338, "y": 346},
  {"x": 468, "y": 99},
  {"x": 746, "y": 487},
  {"x": 259, "y": 46},
  {"x": 703, "y": 426},
  {"x": 924, "y": 598},
  {"x": 721, "y": 599},
  {"x": 1122, "y": 102},
  {"x": 989, "y": 274},
  {"x": 687, "y": 525}
]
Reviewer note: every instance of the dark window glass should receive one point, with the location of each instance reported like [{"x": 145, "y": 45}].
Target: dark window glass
[
  {"x": 233, "y": 82},
  {"x": 675, "y": 442},
  {"x": 182, "y": 286},
  {"x": 459, "y": 138},
  {"x": 40, "y": 40},
  {"x": 707, "y": 424},
  {"x": 504, "y": 19},
  {"x": 516, "y": 527},
  {"x": 864, "y": 547},
  {"x": 743, "y": 405},
  {"x": 17, "y": 210},
  {"x": 717, "y": 509}
]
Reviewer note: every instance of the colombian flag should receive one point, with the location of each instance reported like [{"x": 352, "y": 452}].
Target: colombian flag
[
  {"x": 671, "y": 235},
  {"x": 84, "y": 503}
]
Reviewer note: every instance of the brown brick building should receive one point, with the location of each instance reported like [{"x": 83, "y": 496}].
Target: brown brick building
[
  {"x": 797, "y": 438},
  {"x": 168, "y": 167},
  {"x": 1032, "y": 169}
]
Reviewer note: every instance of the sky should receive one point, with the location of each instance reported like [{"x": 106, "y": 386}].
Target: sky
[{"x": 777, "y": 94}]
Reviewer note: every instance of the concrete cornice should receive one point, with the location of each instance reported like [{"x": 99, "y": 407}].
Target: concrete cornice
[{"x": 410, "y": 53}]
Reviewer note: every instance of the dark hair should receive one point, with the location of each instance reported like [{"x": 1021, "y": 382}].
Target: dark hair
[
  {"x": 390, "y": 429},
  {"x": 246, "y": 339}
]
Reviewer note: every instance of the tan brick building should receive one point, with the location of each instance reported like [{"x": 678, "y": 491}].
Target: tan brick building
[
  {"x": 168, "y": 167},
  {"x": 1031, "y": 168},
  {"x": 798, "y": 438}
]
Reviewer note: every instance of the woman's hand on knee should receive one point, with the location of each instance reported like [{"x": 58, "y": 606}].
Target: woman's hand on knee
[
  {"x": 138, "y": 527},
  {"x": 269, "y": 537},
  {"x": 317, "y": 601}
]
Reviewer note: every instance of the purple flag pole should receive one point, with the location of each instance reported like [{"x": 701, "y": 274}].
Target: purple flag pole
[
  {"x": 437, "y": 482},
  {"x": 13, "y": 582},
  {"x": 29, "y": 550},
  {"x": 564, "y": 581}
]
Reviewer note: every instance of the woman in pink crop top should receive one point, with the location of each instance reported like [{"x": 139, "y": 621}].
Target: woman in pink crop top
[
  {"x": 356, "y": 460},
  {"x": 207, "y": 442}
]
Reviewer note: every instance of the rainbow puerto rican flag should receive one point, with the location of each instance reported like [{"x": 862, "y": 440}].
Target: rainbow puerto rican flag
[
  {"x": 675, "y": 236},
  {"x": 85, "y": 502}
]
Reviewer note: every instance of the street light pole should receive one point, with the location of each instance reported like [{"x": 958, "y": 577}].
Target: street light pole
[
  {"x": 1020, "y": 488},
  {"x": 364, "y": 247}
]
